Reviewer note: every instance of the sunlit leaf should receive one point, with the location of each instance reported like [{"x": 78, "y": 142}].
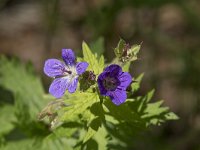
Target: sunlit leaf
[
  {"x": 92, "y": 59},
  {"x": 137, "y": 81}
]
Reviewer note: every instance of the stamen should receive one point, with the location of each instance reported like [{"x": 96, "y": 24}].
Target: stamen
[{"x": 69, "y": 72}]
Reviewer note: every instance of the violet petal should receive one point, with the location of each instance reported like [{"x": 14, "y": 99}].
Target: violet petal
[
  {"x": 81, "y": 67},
  {"x": 125, "y": 80},
  {"x": 68, "y": 56},
  {"x": 102, "y": 89},
  {"x": 100, "y": 79},
  {"x": 73, "y": 85},
  {"x": 54, "y": 67},
  {"x": 118, "y": 96},
  {"x": 113, "y": 69},
  {"x": 58, "y": 87}
]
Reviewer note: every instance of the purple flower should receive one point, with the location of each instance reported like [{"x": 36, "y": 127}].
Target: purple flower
[
  {"x": 65, "y": 73},
  {"x": 113, "y": 83}
]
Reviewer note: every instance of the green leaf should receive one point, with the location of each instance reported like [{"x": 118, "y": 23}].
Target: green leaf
[
  {"x": 26, "y": 87},
  {"x": 90, "y": 145},
  {"x": 120, "y": 112},
  {"x": 26, "y": 144},
  {"x": 96, "y": 120},
  {"x": 93, "y": 128},
  {"x": 144, "y": 100},
  {"x": 171, "y": 116},
  {"x": 64, "y": 132},
  {"x": 78, "y": 103},
  {"x": 55, "y": 142},
  {"x": 156, "y": 114},
  {"x": 101, "y": 64},
  {"x": 136, "y": 84},
  {"x": 90, "y": 133},
  {"x": 28, "y": 95},
  {"x": 154, "y": 109},
  {"x": 101, "y": 139},
  {"x": 92, "y": 59},
  {"x": 49, "y": 143},
  {"x": 123, "y": 122},
  {"x": 126, "y": 67},
  {"x": 7, "y": 119},
  {"x": 149, "y": 95}
]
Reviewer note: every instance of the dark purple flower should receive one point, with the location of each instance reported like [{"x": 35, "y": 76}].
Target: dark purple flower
[
  {"x": 65, "y": 73},
  {"x": 113, "y": 83}
]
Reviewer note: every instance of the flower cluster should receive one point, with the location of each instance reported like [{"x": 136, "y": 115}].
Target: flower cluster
[{"x": 112, "y": 82}]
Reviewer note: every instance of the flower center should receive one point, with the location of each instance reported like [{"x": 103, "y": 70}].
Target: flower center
[
  {"x": 110, "y": 83},
  {"x": 68, "y": 71}
]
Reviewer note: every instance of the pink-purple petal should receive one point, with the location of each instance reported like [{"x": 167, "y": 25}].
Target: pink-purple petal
[
  {"x": 54, "y": 67},
  {"x": 118, "y": 96},
  {"x": 81, "y": 67},
  {"x": 73, "y": 85},
  {"x": 125, "y": 80},
  {"x": 58, "y": 87},
  {"x": 68, "y": 56}
]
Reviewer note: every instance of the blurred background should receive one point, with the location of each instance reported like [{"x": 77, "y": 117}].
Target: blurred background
[{"x": 34, "y": 30}]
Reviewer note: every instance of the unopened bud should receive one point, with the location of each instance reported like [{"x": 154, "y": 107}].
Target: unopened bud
[{"x": 87, "y": 79}]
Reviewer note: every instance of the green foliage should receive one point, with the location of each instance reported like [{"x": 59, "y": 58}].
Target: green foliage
[
  {"x": 77, "y": 105},
  {"x": 24, "y": 85},
  {"x": 136, "y": 84},
  {"x": 82, "y": 120},
  {"x": 126, "y": 67},
  {"x": 20, "y": 128},
  {"x": 94, "y": 64},
  {"x": 7, "y": 118}
]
